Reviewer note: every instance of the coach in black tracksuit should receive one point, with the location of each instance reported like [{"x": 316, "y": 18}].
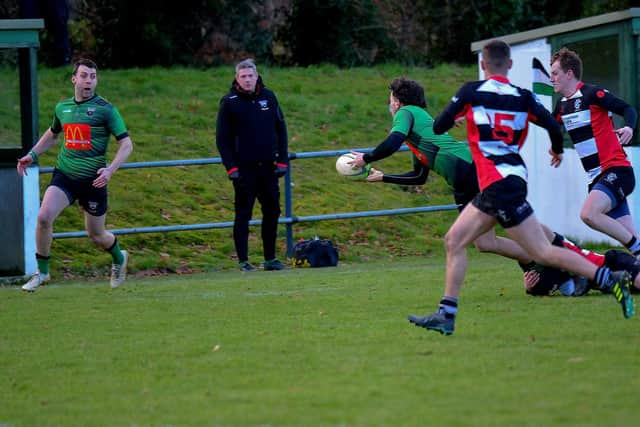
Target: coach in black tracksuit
[{"x": 252, "y": 140}]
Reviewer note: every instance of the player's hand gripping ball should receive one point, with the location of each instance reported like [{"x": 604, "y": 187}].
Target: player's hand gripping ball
[{"x": 344, "y": 167}]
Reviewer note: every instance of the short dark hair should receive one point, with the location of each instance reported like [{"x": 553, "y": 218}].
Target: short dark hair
[
  {"x": 83, "y": 61},
  {"x": 496, "y": 54},
  {"x": 569, "y": 60},
  {"x": 408, "y": 92}
]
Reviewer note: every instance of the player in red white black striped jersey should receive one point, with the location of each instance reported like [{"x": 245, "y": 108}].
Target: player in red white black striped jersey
[
  {"x": 497, "y": 115},
  {"x": 584, "y": 110}
]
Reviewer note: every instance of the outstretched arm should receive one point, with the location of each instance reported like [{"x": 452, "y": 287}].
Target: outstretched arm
[
  {"x": 386, "y": 148},
  {"x": 418, "y": 176}
]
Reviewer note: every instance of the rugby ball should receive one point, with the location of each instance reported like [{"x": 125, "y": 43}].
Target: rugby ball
[{"x": 345, "y": 169}]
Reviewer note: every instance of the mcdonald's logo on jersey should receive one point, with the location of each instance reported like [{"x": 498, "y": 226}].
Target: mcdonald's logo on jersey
[{"x": 77, "y": 136}]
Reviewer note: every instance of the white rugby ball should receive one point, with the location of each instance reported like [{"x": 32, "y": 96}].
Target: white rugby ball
[{"x": 345, "y": 169}]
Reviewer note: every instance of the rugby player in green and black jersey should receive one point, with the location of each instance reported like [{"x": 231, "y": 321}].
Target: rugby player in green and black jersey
[{"x": 86, "y": 122}]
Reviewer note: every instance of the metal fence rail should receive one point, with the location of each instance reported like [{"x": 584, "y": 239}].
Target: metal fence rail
[{"x": 289, "y": 219}]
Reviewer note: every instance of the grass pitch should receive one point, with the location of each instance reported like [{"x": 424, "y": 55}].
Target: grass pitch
[{"x": 315, "y": 347}]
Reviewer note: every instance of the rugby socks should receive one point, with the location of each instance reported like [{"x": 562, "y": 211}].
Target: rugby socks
[
  {"x": 448, "y": 306},
  {"x": 604, "y": 279},
  {"x": 43, "y": 263},
  {"x": 634, "y": 246},
  {"x": 116, "y": 253}
]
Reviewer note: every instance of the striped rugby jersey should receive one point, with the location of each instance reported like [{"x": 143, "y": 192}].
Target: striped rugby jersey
[
  {"x": 586, "y": 117},
  {"x": 497, "y": 114}
]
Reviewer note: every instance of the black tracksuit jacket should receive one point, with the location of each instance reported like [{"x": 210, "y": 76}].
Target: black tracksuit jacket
[{"x": 251, "y": 129}]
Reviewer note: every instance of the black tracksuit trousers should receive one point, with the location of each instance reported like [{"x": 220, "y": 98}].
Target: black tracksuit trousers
[{"x": 256, "y": 182}]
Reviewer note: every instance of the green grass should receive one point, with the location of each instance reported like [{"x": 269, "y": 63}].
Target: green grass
[
  {"x": 171, "y": 114},
  {"x": 315, "y": 347}
]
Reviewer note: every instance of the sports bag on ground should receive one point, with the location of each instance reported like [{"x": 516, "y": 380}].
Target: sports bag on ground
[{"x": 315, "y": 253}]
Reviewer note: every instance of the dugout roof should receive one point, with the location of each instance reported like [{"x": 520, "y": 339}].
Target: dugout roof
[{"x": 569, "y": 27}]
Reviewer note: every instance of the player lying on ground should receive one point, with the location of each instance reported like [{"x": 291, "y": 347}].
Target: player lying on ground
[{"x": 540, "y": 280}]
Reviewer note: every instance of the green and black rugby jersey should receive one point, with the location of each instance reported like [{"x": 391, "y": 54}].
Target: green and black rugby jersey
[
  {"x": 441, "y": 153},
  {"x": 86, "y": 128}
]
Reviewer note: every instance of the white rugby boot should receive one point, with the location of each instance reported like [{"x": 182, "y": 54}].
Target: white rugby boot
[
  {"x": 119, "y": 271},
  {"x": 36, "y": 280}
]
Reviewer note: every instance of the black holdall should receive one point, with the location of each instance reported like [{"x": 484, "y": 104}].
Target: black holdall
[{"x": 315, "y": 253}]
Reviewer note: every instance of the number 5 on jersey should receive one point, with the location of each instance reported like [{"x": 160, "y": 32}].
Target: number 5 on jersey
[{"x": 503, "y": 127}]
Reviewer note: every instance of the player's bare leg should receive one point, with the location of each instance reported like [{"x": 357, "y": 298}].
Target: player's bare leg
[
  {"x": 95, "y": 226},
  {"x": 106, "y": 240},
  {"x": 470, "y": 224},
  {"x": 54, "y": 202},
  {"x": 627, "y": 222},
  {"x": 594, "y": 214},
  {"x": 489, "y": 242}
]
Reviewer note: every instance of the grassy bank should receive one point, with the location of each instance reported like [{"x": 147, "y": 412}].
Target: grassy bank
[{"x": 171, "y": 114}]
